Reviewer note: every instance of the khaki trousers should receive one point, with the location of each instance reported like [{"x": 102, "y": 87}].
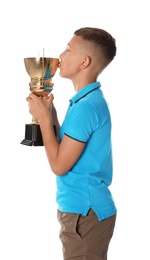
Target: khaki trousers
[{"x": 85, "y": 237}]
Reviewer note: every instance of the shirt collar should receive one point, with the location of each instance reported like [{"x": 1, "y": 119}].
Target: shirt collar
[{"x": 84, "y": 91}]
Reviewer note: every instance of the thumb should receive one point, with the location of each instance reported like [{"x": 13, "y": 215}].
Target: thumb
[{"x": 51, "y": 98}]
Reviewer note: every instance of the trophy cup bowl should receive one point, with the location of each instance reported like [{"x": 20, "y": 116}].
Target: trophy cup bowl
[{"x": 41, "y": 70}]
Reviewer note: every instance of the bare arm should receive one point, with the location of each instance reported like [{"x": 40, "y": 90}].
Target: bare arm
[{"x": 61, "y": 156}]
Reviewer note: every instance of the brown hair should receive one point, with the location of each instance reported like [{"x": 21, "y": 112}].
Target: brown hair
[{"x": 101, "y": 39}]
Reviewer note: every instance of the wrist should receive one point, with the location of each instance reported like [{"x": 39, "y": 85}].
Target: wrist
[{"x": 45, "y": 120}]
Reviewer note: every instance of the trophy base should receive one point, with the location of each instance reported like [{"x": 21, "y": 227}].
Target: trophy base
[{"x": 33, "y": 136}]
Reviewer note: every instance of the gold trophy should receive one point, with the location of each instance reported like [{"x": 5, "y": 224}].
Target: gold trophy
[{"x": 41, "y": 71}]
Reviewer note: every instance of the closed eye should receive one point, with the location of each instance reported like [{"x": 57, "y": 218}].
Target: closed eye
[{"x": 68, "y": 48}]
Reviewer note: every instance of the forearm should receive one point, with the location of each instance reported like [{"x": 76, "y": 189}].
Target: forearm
[
  {"x": 50, "y": 141},
  {"x": 61, "y": 156}
]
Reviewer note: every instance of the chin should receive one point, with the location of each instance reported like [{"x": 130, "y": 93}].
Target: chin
[{"x": 62, "y": 75}]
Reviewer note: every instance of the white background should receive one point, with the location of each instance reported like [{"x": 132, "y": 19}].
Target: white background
[{"x": 28, "y": 223}]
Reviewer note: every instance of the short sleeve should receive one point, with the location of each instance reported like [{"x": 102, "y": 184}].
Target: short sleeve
[{"x": 82, "y": 121}]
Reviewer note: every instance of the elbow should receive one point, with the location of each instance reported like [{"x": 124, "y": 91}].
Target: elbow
[{"x": 57, "y": 170}]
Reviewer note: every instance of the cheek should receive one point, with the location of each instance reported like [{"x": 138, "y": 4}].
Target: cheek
[
  {"x": 69, "y": 66},
  {"x": 68, "y": 70}
]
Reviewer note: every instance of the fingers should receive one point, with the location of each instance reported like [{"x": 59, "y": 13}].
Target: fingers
[
  {"x": 28, "y": 99},
  {"x": 48, "y": 99},
  {"x": 49, "y": 96},
  {"x": 33, "y": 96},
  {"x": 32, "y": 99}
]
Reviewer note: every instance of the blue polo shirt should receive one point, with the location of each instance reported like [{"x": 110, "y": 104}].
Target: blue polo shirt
[{"x": 86, "y": 185}]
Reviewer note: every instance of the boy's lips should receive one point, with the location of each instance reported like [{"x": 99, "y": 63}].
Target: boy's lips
[{"x": 59, "y": 64}]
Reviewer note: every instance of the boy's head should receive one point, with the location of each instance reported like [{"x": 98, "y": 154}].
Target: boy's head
[
  {"x": 101, "y": 44},
  {"x": 88, "y": 53}
]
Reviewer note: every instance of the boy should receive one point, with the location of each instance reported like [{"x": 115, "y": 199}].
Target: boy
[{"x": 82, "y": 157}]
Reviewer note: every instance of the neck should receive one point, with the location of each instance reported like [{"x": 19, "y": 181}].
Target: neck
[{"x": 82, "y": 82}]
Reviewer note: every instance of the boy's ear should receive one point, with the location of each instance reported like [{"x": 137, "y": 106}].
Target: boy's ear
[{"x": 86, "y": 62}]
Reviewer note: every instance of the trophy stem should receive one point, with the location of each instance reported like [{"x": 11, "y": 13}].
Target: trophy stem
[{"x": 35, "y": 121}]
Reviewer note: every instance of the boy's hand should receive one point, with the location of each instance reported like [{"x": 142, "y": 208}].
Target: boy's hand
[{"x": 40, "y": 107}]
